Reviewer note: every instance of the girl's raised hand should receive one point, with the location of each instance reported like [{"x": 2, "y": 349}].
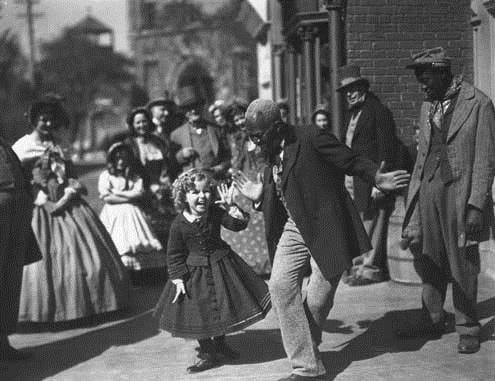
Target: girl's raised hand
[{"x": 226, "y": 195}]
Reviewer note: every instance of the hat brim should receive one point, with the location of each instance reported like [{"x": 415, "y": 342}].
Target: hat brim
[
  {"x": 416, "y": 65},
  {"x": 192, "y": 104},
  {"x": 357, "y": 80},
  {"x": 160, "y": 102}
]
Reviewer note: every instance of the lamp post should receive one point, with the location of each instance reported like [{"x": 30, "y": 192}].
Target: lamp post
[{"x": 336, "y": 11}]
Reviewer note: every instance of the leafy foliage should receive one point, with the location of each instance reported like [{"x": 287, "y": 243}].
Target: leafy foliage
[
  {"x": 78, "y": 69},
  {"x": 15, "y": 91}
]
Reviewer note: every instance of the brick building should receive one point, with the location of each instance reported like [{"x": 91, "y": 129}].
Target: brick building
[{"x": 380, "y": 35}]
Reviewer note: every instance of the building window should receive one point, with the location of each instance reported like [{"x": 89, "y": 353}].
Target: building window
[
  {"x": 152, "y": 81},
  {"x": 148, "y": 15}
]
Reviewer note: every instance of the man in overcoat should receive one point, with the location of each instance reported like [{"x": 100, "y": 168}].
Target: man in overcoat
[
  {"x": 310, "y": 222},
  {"x": 370, "y": 131},
  {"x": 198, "y": 143},
  {"x": 17, "y": 244},
  {"x": 449, "y": 208}
]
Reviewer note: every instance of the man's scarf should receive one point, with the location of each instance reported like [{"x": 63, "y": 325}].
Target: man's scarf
[{"x": 439, "y": 107}]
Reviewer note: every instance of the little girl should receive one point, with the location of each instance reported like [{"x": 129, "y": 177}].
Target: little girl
[
  {"x": 120, "y": 187},
  {"x": 211, "y": 291}
]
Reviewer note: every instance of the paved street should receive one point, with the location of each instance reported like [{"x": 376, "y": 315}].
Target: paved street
[{"x": 358, "y": 343}]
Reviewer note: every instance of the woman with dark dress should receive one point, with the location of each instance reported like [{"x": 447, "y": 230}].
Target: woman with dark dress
[
  {"x": 81, "y": 273},
  {"x": 211, "y": 291},
  {"x": 157, "y": 171},
  {"x": 250, "y": 244}
]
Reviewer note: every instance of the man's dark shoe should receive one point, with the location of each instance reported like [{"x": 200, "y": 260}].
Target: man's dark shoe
[
  {"x": 11, "y": 354},
  {"x": 468, "y": 344},
  {"x": 206, "y": 361},
  {"x": 297, "y": 377},
  {"x": 423, "y": 328}
]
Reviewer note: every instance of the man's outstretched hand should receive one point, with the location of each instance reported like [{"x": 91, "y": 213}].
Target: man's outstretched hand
[
  {"x": 249, "y": 189},
  {"x": 391, "y": 181}
]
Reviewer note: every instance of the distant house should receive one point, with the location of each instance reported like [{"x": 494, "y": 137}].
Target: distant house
[
  {"x": 211, "y": 45},
  {"x": 108, "y": 109}
]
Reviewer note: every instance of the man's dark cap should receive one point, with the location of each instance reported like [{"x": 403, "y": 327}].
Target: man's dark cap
[{"x": 433, "y": 58}]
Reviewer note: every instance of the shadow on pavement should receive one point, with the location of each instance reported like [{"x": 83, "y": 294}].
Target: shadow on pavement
[
  {"x": 337, "y": 326},
  {"x": 257, "y": 345},
  {"x": 55, "y": 357},
  {"x": 379, "y": 338}
]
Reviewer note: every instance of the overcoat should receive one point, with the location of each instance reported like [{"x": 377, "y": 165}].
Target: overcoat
[
  {"x": 17, "y": 243},
  {"x": 181, "y": 138},
  {"x": 314, "y": 165},
  {"x": 471, "y": 155},
  {"x": 374, "y": 138}
]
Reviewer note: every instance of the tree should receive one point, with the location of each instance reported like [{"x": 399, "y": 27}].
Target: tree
[
  {"x": 16, "y": 93},
  {"x": 78, "y": 69}
]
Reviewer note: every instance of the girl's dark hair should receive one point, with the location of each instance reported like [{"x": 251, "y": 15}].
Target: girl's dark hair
[
  {"x": 52, "y": 104},
  {"x": 234, "y": 109},
  {"x": 133, "y": 113},
  {"x": 320, "y": 111},
  {"x": 133, "y": 165},
  {"x": 185, "y": 183}
]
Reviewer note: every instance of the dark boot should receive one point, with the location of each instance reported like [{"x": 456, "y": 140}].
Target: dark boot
[
  {"x": 206, "y": 357},
  {"x": 468, "y": 344},
  {"x": 223, "y": 349},
  {"x": 205, "y": 361}
]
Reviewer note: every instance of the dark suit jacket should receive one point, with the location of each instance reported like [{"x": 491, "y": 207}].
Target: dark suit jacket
[
  {"x": 375, "y": 138},
  {"x": 313, "y": 185}
]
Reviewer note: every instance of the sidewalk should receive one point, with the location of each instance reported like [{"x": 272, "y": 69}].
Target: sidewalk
[{"x": 358, "y": 344}]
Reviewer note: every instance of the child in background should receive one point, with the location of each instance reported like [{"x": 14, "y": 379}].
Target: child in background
[
  {"x": 121, "y": 187},
  {"x": 211, "y": 291}
]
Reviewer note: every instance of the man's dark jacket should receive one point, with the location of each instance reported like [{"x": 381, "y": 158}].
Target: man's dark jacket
[
  {"x": 374, "y": 138},
  {"x": 314, "y": 165}
]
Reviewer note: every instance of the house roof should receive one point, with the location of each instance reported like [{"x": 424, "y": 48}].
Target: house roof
[
  {"x": 252, "y": 22},
  {"x": 90, "y": 24}
]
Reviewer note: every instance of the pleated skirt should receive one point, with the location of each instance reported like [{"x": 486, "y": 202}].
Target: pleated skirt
[
  {"x": 223, "y": 297},
  {"x": 81, "y": 273}
]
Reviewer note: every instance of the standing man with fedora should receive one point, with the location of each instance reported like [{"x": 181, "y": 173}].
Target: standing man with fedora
[
  {"x": 162, "y": 111},
  {"x": 370, "y": 131},
  {"x": 163, "y": 116},
  {"x": 310, "y": 223},
  {"x": 449, "y": 203},
  {"x": 199, "y": 143}
]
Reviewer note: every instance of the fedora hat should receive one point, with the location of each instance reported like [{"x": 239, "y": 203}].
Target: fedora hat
[
  {"x": 188, "y": 96},
  {"x": 434, "y": 57},
  {"x": 349, "y": 75},
  {"x": 160, "y": 101}
]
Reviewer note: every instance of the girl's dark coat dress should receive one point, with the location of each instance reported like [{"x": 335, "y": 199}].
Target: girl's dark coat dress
[{"x": 223, "y": 294}]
